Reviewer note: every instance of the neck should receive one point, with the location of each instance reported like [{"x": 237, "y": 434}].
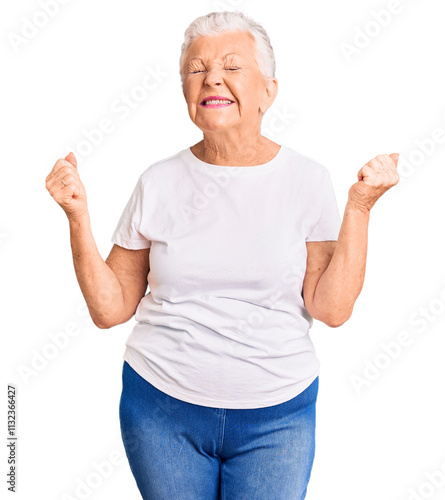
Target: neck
[{"x": 234, "y": 149}]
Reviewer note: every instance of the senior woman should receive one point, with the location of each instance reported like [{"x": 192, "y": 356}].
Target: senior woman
[{"x": 241, "y": 242}]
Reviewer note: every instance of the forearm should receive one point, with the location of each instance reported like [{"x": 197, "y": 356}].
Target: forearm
[
  {"x": 342, "y": 281},
  {"x": 98, "y": 283}
]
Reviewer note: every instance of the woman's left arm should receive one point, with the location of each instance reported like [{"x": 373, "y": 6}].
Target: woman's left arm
[{"x": 335, "y": 271}]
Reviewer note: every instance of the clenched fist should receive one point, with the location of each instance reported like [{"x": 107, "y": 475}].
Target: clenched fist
[
  {"x": 65, "y": 186},
  {"x": 374, "y": 179}
]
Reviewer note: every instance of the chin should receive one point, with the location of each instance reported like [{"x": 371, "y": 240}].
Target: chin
[{"x": 213, "y": 126}]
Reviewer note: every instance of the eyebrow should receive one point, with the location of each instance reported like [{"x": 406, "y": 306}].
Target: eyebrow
[{"x": 225, "y": 55}]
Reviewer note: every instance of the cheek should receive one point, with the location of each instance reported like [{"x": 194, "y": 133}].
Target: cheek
[
  {"x": 189, "y": 99},
  {"x": 193, "y": 93}
]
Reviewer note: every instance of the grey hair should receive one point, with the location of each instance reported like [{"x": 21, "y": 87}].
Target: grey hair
[{"x": 219, "y": 22}]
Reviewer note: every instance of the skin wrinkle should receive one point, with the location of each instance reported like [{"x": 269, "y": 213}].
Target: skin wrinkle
[{"x": 231, "y": 135}]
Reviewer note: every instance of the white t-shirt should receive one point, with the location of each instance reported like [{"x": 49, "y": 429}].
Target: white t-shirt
[{"x": 224, "y": 323}]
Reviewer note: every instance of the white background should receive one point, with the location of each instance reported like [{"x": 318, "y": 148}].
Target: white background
[{"x": 379, "y": 442}]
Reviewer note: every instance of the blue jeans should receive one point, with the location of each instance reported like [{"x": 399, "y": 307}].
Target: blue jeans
[{"x": 182, "y": 451}]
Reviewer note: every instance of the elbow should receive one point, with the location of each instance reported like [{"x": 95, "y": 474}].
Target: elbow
[
  {"x": 103, "y": 325},
  {"x": 335, "y": 321}
]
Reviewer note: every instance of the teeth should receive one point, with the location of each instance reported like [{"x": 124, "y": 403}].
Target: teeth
[{"x": 217, "y": 101}]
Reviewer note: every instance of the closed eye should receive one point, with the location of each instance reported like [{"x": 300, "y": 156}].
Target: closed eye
[{"x": 200, "y": 71}]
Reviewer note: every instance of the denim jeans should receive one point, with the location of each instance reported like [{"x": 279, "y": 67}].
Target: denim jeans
[{"x": 182, "y": 451}]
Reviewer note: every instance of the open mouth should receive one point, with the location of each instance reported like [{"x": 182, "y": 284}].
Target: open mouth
[{"x": 216, "y": 102}]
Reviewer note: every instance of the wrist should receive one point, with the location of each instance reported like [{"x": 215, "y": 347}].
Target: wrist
[
  {"x": 79, "y": 220},
  {"x": 355, "y": 207}
]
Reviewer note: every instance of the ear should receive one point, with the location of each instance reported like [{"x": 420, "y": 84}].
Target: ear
[{"x": 270, "y": 92}]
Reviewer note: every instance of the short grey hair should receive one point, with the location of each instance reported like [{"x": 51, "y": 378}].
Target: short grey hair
[{"x": 219, "y": 22}]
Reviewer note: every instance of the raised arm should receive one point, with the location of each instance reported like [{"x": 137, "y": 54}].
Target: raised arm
[
  {"x": 112, "y": 289},
  {"x": 335, "y": 271}
]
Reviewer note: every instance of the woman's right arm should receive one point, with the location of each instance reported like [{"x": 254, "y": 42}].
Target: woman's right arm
[{"x": 112, "y": 289}]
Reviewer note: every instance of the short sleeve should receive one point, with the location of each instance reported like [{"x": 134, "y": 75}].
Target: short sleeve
[
  {"x": 328, "y": 225},
  {"x": 127, "y": 233}
]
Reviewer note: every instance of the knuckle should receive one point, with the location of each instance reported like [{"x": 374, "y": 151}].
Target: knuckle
[
  {"x": 380, "y": 159},
  {"x": 63, "y": 163},
  {"x": 66, "y": 170}
]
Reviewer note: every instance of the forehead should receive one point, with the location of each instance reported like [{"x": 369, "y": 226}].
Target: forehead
[{"x": 208, "y": 48}]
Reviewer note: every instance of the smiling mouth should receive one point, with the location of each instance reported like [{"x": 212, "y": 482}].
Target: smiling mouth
[{"x": 216, "y": 102}]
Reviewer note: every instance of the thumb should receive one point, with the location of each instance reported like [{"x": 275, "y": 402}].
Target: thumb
[
  {"x": 71, "y": 158},
  {"x": 394, "y": 157}
]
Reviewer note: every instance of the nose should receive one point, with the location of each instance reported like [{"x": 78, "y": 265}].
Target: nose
[{"x": 213, "y": 77}]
